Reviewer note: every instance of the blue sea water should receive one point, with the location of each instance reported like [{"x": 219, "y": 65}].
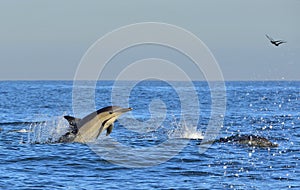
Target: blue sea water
[{"x": 31, "y": 113}]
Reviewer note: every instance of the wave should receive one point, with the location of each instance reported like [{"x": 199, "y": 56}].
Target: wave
[{"x": 16, "y": 123}]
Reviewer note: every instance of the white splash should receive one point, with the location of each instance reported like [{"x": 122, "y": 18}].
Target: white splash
[
  {"x": 48, "y": 131},
  {"x": 183, "y": 131}
]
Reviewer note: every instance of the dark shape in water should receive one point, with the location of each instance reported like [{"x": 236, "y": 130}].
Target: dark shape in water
[
  {"x": 90, "y": 127},
  {"x": 275, "y": 42},
  {"x": 250, "y": 140}
]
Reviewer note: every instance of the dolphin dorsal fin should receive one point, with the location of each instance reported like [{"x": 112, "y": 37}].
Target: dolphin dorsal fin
[
  {"x": 109, "y": 129},
  {"x": 72, "y": 120}
]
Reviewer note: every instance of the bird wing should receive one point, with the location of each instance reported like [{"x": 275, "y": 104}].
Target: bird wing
[
  {"x": 271, "y": 39},
  {"x": 280, "y": 42}
]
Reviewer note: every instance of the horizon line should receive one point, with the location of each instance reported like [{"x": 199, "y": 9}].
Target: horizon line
[{"x": 131, "y": 80}]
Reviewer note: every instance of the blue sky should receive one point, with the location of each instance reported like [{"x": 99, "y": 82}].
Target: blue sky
[{"x": 47, "y": 39}]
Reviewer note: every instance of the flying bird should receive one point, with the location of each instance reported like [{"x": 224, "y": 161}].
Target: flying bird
[{"x": 275, "y": 42}]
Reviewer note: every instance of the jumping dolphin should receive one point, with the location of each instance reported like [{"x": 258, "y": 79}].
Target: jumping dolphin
[
  {"x": 91, "y": 126},
  {"x": 275, "y": 42},
  {"x": 250, "y": 140}
]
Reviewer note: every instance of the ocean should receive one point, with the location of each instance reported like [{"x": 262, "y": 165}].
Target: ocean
[{"x": 156, "y": 145}]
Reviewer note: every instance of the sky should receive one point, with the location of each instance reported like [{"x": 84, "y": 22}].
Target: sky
[{"x": 46, "y": 40}]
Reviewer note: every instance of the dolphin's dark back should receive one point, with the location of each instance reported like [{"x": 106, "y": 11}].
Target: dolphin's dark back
[
  {"x": 92, "y": 115},
  {"x": 251, "y": 140}
]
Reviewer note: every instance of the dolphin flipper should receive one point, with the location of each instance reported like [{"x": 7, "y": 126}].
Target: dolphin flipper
[{"x": 109, "y": 129}]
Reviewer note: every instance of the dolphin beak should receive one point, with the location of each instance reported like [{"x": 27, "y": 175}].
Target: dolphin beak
[
  {"x": 123, "y": 110},
  {"x": 126, "y": 110}
]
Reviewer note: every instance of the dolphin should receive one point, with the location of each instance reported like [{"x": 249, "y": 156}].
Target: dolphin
[
  {"x": 91, "y": 126},
  {"x": 250, "y": 140}
]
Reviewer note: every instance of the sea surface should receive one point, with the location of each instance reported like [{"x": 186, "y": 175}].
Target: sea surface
[{"x": 159, "y": 138}]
